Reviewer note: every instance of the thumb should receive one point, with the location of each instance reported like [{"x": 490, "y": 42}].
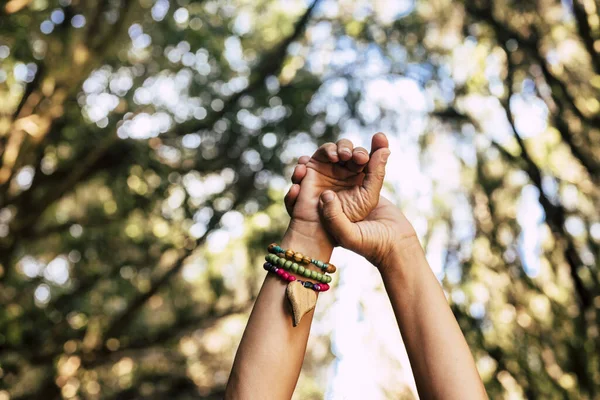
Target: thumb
[
  {"x": 335, "y": 221},
  {"x": 375, "y": 174}
]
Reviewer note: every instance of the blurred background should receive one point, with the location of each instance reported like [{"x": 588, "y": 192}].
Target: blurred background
[{"x": 146, "y": 145}]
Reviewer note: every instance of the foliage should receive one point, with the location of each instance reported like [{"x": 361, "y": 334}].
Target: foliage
[
  {"x": 144, "y": 145},
  {"x": 131, "y": 131}
]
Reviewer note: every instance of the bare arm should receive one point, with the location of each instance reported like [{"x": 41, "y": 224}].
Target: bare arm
[
  {"x": 442, "y": 363},
  {"x": 270, "y": 355},
  {"x": 439, "y": 355}
]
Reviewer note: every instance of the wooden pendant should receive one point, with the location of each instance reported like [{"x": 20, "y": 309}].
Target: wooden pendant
[{"x": 302, "y": 300}]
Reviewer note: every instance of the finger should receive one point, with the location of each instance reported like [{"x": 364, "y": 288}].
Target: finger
[
  {"x": 326, "y": 153},
  {"x": 299, "y": 173},
  {"x": 303, "y": 160},
  {"x": 344, "y": 149},
  {"x": 291, "y": 197},
  {"x": 375, "y": 170},
  {"x": 375, "y": 174},
  {"x": 360, "y": 158},
  {"x": 379, "y": 141},
  {"x": 336, "y": 222}
]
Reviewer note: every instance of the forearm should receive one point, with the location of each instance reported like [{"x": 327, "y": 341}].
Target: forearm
[
  {"x": 270, "y": 355},
  {"x": 440, "y": 357}
]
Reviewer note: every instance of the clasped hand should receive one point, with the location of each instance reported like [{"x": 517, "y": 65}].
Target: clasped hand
[{"x": 338, "y": 190}]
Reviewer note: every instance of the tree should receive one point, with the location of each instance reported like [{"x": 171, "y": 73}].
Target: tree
[
  {"x": 132, "y": 131},
  {"x": 137, "y": 137},
  {"x": 541, "y": 339}
]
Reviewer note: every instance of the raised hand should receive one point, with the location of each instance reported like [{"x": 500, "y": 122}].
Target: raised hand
[
  {"x": 355, "y": 175},
  {"x": 349, "y": 203}
]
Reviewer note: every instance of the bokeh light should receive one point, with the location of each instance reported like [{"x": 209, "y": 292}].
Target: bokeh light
[{"x": 146, "y": 146}]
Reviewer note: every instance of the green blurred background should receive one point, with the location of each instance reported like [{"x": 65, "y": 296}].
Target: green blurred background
[{"x": 146, "y": 145}]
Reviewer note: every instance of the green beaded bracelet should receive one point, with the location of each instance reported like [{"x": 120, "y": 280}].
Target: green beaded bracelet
[
  {"x": 297, "y": 269},
  {"x": 291, "y": 255}
]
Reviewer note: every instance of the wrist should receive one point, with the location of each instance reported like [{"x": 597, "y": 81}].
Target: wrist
[
  {"x": 405, "y": 254},
  {"x": 310, "y": 239}
]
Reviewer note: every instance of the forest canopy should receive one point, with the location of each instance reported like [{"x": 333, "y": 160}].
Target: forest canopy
[{"x": 146, "y": 145}]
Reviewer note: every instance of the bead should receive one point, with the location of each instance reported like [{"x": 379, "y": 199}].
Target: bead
[
  {"x": 287, "y": 265},
  {"x": 328, "y": 278},
  {"x": 291, "y": 278},
  {"x": 289, "y": 254},
  {"x": 317, "y": 287},
  {"x": 281, "y": 261},
  {"x": 285, "y": 275},
  {"x": 279, "y": 249},
  {"x": 294, "y": 268},
  {"x": 266, "y": 266},
  {"x": 298, "y": 257},
  {"x": 308, "y": 285},
  {"x": 331, "y": 268},
  {"x": 313, "y": 274},
  {"x": 318, "y": 263},
  {"x": 271, "y": 247},
  {"x": 275, "y": 269},
  {"x": 306, "y": 260},
  {"x": 267, "y": 258},
  {"x": 324, "y": 287},
  {"x": 281, "y": 254},
  {"x": 307, "y": 273},
  {"x": 280, "y": 272},
  {"x": 301, "y": 270}
]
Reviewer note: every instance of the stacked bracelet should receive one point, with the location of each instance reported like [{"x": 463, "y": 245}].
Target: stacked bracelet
[
  {"x": 291, "y": 255},
  {"x": 297, "y": 269},
  {"x": 317, "y": 287},
  {"x": 285, "y": 263}
]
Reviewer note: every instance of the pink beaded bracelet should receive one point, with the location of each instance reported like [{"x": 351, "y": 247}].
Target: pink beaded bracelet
[{"x": 317, "y": 287}]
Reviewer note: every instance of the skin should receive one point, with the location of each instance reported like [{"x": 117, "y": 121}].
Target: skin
[
  {"x": 270, "y": 354},
  {"x": 335, "y": 201}
]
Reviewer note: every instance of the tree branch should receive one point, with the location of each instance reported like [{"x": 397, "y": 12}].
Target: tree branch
[
  {"x": 555, "y": 214},
  {"x": 585, "y": 33},
  {"x": 122, "y": 321},
  {"x": 269, "y": 65},
  {"x": 531, "y": 47}
]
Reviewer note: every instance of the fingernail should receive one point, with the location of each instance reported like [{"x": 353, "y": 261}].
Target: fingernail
[
  {"x": 327, "y": 197},
  {"x": 345, "y": 151},
  {"x": 385, "y": 156}
]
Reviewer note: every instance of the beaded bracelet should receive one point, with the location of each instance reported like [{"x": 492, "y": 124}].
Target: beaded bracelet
[
  {"x": 297, "y": 269},
  {"x": 274, "y": 248},
  {"x": 317, "y": 287}
]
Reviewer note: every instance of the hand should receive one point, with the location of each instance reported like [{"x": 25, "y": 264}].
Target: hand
[
  {"x": 373, "y": 230},
  {"x": 355, "y": 175}
]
